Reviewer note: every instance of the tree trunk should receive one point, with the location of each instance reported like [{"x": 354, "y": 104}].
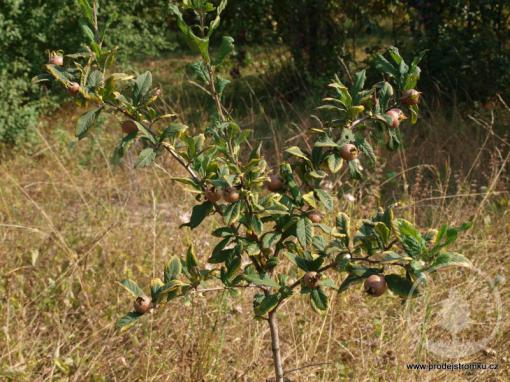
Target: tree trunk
[{"x": 275, "y": 347}]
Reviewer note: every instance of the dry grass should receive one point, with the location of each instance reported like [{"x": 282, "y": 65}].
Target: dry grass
[{"x": 71, "y": 226}]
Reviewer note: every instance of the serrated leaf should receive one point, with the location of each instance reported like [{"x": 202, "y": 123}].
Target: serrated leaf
[
  {"x": 224, "y": 50},
  {"x": 366, "y": 148},
  {"x": 146, "y": 157},
  {"x": 304, "y": 231},
  {"x": 94, "y": 79},
  {"x": 86, "y": 122},
  {"x": 410, "y": 238},
  {"x": 325, "y": 199}
]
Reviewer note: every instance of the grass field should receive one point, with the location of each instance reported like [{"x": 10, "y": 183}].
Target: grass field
[{"x": 72, "y": 226}]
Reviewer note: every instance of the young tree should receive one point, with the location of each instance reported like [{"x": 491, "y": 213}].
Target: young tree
[{"x": 268, "y": 217}]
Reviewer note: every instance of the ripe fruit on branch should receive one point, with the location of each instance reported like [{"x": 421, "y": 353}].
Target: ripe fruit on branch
[
  {"x": 275, "y": 183},
  {"x": 311, "y": 279},
  {"x": 396, "y": 116},
  {"x": 349, "y": 152},
  {"x": 142, "y": 304},
  {"x": 213, "y": 194},
  {"x": 375, "y": 285},
  {"x": 410, "y": 97},
  {"x": 56, "y": 59},
  {"x": 73, "y": 88},
  {"x": 315, "y": 217},
  {"x": 231, "y": 195},
  {"x": 129, "y": 126}
]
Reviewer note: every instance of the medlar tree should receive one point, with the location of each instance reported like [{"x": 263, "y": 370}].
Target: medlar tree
[{"x": 270, "y": 219}]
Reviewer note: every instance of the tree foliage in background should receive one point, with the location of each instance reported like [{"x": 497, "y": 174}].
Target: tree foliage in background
[
  {"x": 30, "y": 28},
  {"x": 466, "y": 40}
]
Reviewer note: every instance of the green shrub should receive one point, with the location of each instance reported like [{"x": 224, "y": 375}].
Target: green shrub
[
  {"x": 31, "y": 28},
  {"x": 18, "y": 115}
]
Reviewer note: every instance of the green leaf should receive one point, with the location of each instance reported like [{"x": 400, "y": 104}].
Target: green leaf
[
  {"x": 87, "y": 11},
  {"x": 446, "y": 259},
  {"x": 94, "y": 80},
  {"x": 191, "y": 258},
  {"x": 384, "y": 66},
  {"x": 335, "y": 162},
  {"x": 143, "y": 84},
  {"x": 359, "y": 82},
  {"x": 87, "y": 32},
  {"x": 325, "y": 141},
  {"x": 296, "y": 151},
  {"x": 366, "y": 148},
  {"x": 197, "y": 44},
  {"x": 156, "y": 285},
  {"x": 412, "y": 241},
  {"x": 304, "y": 231},
  {"x": 128, "y": 320},
  {"x": 232, "y": 212},
  {"x": 270, "y": 238},
  {"x": 225, "y": 49},
  {"x": 198, "y": 214},
  {"x": 318, "y": 299},
  {"x": 400, "y": 285},
  {"x": 172, "y": 269},
  {"x": 146, "y": 157},
  {"x": 264, "y": 280},
  {"x": 86, "y": 122},
  {"x": 325, "y": 199},
  {"x": 267, "y": 304},
  {"x": 168, "y": 287},
  {"x": 132, "y": 287}
]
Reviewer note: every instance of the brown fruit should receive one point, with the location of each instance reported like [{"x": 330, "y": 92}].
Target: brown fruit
[
  {"x": 349, "y": 152},
  {"x": 56, "y": 60},
  {"x": 129, "y": 126},
  {"x": 231, "y": 195},
  {"x": 275, "y": 183},
  {"x": 315, "y": 217},
  {"x": 73, "y": 88},
  {"x": 311, "y": 279},
  {"x": 396, "y": 116},
  {"x": 213, "y": 194},
  {"x": 410, "y": 97},
  {"x": 375, "y": 285},
  {"x": 142, "y": 304}
]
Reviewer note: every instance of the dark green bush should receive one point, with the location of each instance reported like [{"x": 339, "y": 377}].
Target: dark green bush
[
  {"x": 31, "y": 28},
  {"x": 18, "y": 114}
]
